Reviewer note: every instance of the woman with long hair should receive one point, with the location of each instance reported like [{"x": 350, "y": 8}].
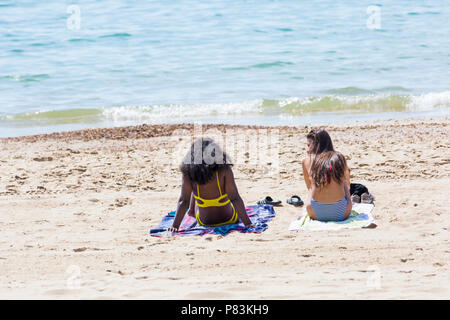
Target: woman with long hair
[
  {"x": 329, "y": 195},
  {"x": 208, "y": 188},
  {"x": 318, "y": 141}
]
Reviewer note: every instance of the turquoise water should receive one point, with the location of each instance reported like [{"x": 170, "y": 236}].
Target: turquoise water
[{"x": 234, "y": 61}]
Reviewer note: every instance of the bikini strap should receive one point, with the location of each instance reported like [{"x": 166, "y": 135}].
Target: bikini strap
[{"x": 218, "y": 184}]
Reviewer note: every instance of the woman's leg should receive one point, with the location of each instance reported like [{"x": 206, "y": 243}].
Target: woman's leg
[{"x": 309, "y": 209}]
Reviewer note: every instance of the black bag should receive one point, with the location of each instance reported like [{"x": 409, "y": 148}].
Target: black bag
[{"x": 359, "y": 189}]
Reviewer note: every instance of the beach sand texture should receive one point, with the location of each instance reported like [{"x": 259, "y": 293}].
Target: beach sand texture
[{"x": 76, "y": 209}]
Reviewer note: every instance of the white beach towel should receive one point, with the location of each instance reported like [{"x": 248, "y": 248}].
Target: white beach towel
[{"x": 360, "y": 217}]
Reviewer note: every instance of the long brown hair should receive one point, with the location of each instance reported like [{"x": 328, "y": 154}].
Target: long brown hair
[
  {"x": 326, "y": 166},
  {"x": 321, "y": 141}
]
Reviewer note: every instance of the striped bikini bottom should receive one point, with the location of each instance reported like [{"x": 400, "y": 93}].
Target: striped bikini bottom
[{"x": 330, "y": 211}]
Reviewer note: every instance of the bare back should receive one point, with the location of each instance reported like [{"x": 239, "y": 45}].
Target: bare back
[
  {"x": 306, "y": 167},
  {"x": 331, "y": 193},
  {"x": 210, "y": 190}
]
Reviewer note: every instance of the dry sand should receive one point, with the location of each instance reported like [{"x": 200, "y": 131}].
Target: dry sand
[{"x": 76, "y": 209}]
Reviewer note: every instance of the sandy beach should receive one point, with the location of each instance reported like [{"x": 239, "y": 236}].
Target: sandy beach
[{"x": 76, "y": 209}]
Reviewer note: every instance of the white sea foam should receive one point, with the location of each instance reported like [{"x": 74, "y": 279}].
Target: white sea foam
[
  {"x": 178, "y": 112},
  {"x": 284, "y": 108},
  {"x": 430, "y": 101}
]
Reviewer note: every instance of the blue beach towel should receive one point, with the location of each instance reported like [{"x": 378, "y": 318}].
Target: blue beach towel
[{"x": 260, "y": 215}]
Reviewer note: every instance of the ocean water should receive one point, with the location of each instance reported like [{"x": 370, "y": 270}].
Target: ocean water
[{"x": 67, "y": 65}]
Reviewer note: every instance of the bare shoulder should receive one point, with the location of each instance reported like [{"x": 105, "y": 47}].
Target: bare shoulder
[
  {"x": 306, "y": 162},
  {"x": 185, "y": 181},
  {"x": 226, "y": 171}
]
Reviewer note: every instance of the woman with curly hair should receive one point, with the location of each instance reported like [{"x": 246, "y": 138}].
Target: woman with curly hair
[{"x": 208, "y": 188}]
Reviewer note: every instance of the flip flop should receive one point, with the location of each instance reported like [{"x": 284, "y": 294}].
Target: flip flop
[
  {"x": 269, "y": 200},
  {"x": 367, "y": 198},
  {"x": 295, "y": 200},
  {"x": 355, "y": 198}
]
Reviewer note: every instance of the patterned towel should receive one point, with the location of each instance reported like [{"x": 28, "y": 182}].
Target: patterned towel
[
  {"x": 260, "y": 215},
  {"x": 360, "y": 217}
]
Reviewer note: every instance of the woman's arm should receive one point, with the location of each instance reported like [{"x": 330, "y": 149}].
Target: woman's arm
[
  {"x": 191, "y": 210},
  {"x": 347, "y": 176},
  {"x": 235, "y": 198},
  {"x": 348, "y": 210},
  {"x": 183, "y": 203},
  {"x": 306, "y": 174}
]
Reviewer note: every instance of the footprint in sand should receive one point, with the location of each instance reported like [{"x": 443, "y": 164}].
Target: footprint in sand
[
  {"x": 73, "y": 151},
  {"x": 118, "y": 272},
  {"x": 11, "y": 188},
  {"x": 41, "y": 159},
  {"x": 121, "y": 202}
]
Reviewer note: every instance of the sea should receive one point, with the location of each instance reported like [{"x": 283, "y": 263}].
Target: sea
[{"x": 69, "y": 65}]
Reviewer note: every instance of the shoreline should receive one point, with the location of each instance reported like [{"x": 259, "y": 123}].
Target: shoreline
[{"x": 143, "y": 131}]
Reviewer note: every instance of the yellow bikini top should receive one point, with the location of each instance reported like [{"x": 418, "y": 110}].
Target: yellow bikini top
[{"x": 212, "y": 202}]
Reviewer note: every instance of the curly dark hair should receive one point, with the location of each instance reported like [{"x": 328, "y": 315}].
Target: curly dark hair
[
  {"x": 326, "y": 166},
  {"x": 321, "y": 141},
  {"x": 203, "y": 159}
]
